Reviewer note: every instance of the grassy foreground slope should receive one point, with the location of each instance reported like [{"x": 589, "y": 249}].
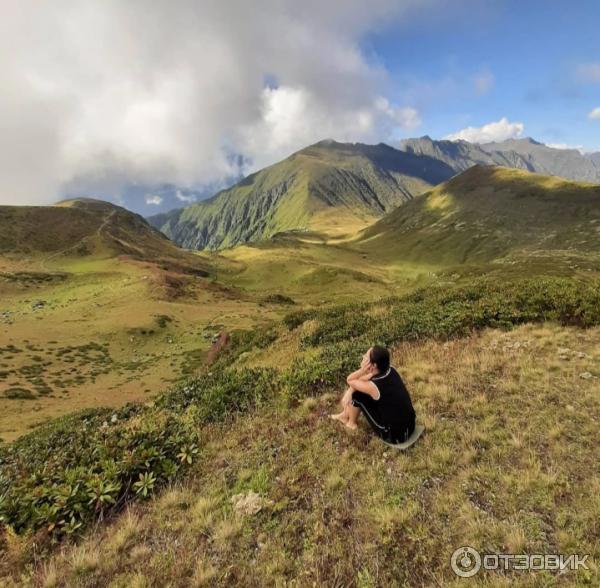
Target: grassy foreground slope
[
  {"x": 505, "y": 464},
  {"x": 494, "y": 214},
  {"x": 330, "y": 187}
]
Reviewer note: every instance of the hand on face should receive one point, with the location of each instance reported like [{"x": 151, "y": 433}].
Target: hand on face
[{"x": 366, "y": 364}]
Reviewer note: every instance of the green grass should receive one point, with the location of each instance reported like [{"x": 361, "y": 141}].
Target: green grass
[
  {"x": 498, "y": 469},
  {"x": 497, "y": 346}
]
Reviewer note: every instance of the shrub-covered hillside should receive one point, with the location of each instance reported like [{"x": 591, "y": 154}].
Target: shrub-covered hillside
[{"x": 491, "y": 467}]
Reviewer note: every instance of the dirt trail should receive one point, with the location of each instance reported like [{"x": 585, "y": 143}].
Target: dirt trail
[
  {"x": 44, "y": 262},
  {"x": 217, "y": 347}
]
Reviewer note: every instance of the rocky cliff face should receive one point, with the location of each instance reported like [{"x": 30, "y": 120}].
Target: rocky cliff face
[{"x": 518, "y": 153}]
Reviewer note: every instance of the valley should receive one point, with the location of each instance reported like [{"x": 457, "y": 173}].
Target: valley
[
  {"x": 103, "y": 326},
  {"x": 103, "y": 336}
]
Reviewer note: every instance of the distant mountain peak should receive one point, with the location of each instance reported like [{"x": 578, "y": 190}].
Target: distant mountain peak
[
  {"x": 326, "y": 143},
  {"x": 524, "y": 153},
  {"x": 526, "y": 140}
]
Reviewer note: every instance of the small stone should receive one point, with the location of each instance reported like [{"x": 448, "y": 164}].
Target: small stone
[
  {"x": 249, "y": 504},
  {"x": 586, "y": 376}
]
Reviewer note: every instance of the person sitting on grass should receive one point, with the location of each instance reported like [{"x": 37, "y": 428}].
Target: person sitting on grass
[{"x": 377, "y": 390}]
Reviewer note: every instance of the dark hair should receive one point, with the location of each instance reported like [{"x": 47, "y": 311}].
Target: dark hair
[{"x": 380, "y": 356}]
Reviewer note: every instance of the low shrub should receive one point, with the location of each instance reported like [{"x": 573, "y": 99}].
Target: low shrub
[
  {"x": 81, "y": 467},
  {"x": 220, "y": 394},
  {"x": 325, "y": 370},
  {"x": 84, "y": 466},
  {"x": 278, "y": 299}
]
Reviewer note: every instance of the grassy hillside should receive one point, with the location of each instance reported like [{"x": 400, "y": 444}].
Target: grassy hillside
[
  {"x": 97, "y": 308},
  {"x": 494, "y": 214},
  {"x": 231, "y": 473},
  {"x": 330, "y": 187},
  {"x": 322, "y": 506},
  {"x": 84, "y": 228},
  {"x": 341, "y": 509}
]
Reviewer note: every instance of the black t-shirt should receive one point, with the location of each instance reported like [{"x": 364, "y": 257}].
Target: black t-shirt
[{"x": 394, "y": 404}]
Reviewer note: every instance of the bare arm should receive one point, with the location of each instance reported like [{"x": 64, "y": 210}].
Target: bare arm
[
  {"x": 361, "y": 372},
  {"x": 365, "y": 385}
]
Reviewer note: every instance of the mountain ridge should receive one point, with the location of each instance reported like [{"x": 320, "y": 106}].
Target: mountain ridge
[
  {"x": 525, "y": 153},
  {"x": 327, "y": 186},
  {"x": 339, "y": 188},
  {"x": 86, "y": 227}
]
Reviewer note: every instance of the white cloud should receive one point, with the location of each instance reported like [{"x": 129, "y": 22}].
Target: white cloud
[
  {"x": 406, "y": 117},
  {"x": 489, "y": 133},
  {"x": 588, "y": 72},
  {"x": 579, "y": 148},
  {"x": 594, "y": 114},
  {"x": 183, "y": 198},
  {"x": 99, "y": 95},
  {"x": 154, "y": 199},
  {"x": 483, "y": 82}
]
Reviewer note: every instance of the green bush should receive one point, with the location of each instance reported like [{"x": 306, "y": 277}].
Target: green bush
[
  {"x": 444, "y": 313},
  {"x": 222, "y": 393},
  {"x": 324, "y": 370},
  {"x": 243, "y": 340},
  {"x": 84, "y": 466},
  {"x": 81, "y": 467}
]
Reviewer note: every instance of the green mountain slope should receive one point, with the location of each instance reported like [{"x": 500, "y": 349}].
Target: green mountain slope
[
  {"x": 488, "y": 213},
  {"x": 330, "y": 187},
  {"x": 83, "y": 227}
]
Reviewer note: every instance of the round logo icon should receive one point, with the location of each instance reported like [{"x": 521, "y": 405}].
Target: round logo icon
[{"x": 465, "y": 562}]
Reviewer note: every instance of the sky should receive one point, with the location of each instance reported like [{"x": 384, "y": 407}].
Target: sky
[{"x": 157, "y": 104}]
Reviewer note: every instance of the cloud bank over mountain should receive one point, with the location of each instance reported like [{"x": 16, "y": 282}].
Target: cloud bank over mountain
[
  {"x": 101, "y": 95},
  {"x": 490, "y": 133}
]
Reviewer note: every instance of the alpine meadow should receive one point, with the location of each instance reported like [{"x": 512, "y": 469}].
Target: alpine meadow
[{"x": 192, "y": 274}]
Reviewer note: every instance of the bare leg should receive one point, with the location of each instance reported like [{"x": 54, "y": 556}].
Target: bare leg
[
  {"x": 345, "y": 402},
  {"x": 352, "y": 412}
]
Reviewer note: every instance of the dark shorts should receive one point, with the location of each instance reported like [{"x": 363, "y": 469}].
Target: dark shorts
[{"x": 392, "y": 433}]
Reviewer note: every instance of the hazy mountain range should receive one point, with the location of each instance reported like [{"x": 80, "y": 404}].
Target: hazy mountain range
[{"x": 519, "y": 153}]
